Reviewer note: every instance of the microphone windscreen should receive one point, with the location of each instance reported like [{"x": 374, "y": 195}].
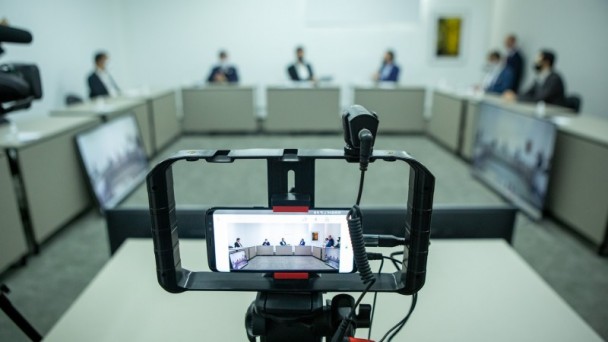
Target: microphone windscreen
[{"x": 14, "y": 35}]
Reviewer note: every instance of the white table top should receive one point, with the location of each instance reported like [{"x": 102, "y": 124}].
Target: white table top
[
  {"x": 586, "y": 126},
  {"x": 99, "y": 106},
  {"x": 476, "y": 290},
  {"x": 218, "y": 86},
  {"x": 388, "y": 86},
  {"x": 25, "y": 130},
  {"x": 146, "y": 93},
  {"x": 522, "y": 107}
]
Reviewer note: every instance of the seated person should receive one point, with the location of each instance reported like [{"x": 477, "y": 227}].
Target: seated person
[
  {"x": 265, "y": 243},
  {"x": 283, "y": 243},
  {"x": 389, "y": 72},
  {"x": 499, "y": 77},
  {"x": 100, "y": 82},
  {"x": 330, "y": 241},
  {"x": 302, "y": 243},
  {"x": 548, "y": 85},
  {"x": 300, "y": 70},
  {"x": 237, "y": 243},
  {"x": 223, "y": 72},
  {"x": 337, "y": 243}
]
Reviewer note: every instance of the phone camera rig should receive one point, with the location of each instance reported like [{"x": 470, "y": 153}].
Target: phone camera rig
[{"x": 294, "y": 306}]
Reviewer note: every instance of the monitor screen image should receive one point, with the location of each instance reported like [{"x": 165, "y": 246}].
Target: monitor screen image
[
  {"x": 114, "y": 159},
  {"x": 277, "y": 241},
  {"x": 238, "y": 260},
  {"x": 512, "y": 154}
]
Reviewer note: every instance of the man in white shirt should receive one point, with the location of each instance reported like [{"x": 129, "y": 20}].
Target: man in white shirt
[
  {"x": 100, "y": 82},
  {"x": 300, "y": 70}
]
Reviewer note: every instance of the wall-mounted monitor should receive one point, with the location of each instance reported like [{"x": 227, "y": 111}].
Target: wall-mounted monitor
[
  {"x": 114, "y": 159},
  {"x": 512, "y": 154}
]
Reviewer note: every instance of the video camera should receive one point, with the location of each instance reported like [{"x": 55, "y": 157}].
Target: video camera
[
  {"x": 289, "y": 302},
  {"x": 19, "y": 83}
]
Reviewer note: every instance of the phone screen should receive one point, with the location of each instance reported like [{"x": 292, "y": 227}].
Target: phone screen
[{"x": 260, "y": 240}]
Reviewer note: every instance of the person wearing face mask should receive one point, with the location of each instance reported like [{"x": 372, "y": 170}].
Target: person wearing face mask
[
  {"x": 300, "y": 70},
  {"x": 548, "y": 86},
  {"x": 389, "y": 72},
  {"x": 100, "y": 82},
  {"x": 499, "y": 77},
  {"x": 223, "y": 72}
]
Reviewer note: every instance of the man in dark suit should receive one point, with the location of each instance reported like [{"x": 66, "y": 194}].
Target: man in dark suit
[
  {"x": 548, "y": 85},
  {"x": 100, "y": 82},
  {"x": 389, "y": 72},
  {"x": 283, "y": 243},
  {"x": 223, "y": 72},
  {"x": 237, "y": 243},
  {"x": 266, "y": 242},
  {"x": 499, "y": 77},
  {"x": 330, "y": 241},
  {"x": 515, "y": 61},
  {"x": 300, "y": 70}
]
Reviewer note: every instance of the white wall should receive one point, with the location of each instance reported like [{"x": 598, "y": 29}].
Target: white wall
[
  {"x": 66, "y": 35},
  {"x": 171, "y": 43},
  {"x": 176, "y": 42},
  {"x": 575, "y": 30}
]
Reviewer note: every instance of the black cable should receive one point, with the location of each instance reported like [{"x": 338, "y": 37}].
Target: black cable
[
  {"x": 355, "y": 229},
  {"x": 396, "y": 262},
  {"x": 397, "y": 327},
  {"x": 360, "y": 187},
  {"x": 371, "y": 319},
  {"x": 414, "y": 300}
]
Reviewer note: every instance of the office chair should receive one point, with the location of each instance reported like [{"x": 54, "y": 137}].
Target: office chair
[
  {"x": 71, "y": 99},
  {"x": 574, "y": 102}
]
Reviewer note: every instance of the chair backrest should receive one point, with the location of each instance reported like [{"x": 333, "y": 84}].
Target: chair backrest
[
  {"x": 574, "y": 102},
  {"x": 71, "y": 99}
]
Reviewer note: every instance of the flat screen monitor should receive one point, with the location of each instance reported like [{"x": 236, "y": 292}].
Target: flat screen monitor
[
  {"x": 114, "y": 159},
  {"x": 513, "y": 154}
]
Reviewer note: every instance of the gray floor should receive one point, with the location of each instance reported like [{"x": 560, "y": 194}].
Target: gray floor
[{"x": 52, "y": 280}]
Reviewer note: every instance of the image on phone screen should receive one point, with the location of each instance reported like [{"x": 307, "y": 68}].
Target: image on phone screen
[{"x": 260, "y": 240}]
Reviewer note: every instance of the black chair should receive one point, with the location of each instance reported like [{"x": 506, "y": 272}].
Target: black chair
[
  {"x": 573, "y": 102},
  {"x": 71, "y": 99}
]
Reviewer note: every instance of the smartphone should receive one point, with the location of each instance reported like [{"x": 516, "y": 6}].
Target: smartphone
[{"x": 260, "y": 240}]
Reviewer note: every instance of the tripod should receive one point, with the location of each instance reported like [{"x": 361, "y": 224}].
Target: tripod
[
  {"x": 301, "y": 317},
  {"x": 16, "y": 317}
]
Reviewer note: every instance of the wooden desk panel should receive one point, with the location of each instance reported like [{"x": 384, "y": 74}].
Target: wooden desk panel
[
  {"x": 218, "y": 109},
  {"x": 12, "y": 241},
  {"x": 400, "y": 109},
  {"x": 314, "y": 109}
]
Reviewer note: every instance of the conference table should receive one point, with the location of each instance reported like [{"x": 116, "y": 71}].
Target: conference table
[
  {"x": 48, "y": 175},
  {"x": 219, "y": 108},
  {"x": 163, "y": 120},
  {"x": 12, "y": 244},
  {"x": 399, "y": 108},
  {"x": 476, "y": 290},
  {"x": 453, "y": 122},
  {"x": 303, "y": 107},
  {"x": 578, "y": 190},
  {"x": 105, "y": 109}
]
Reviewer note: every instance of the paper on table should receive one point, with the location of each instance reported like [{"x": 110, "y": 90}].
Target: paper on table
[{"x": 561, "y": 120}]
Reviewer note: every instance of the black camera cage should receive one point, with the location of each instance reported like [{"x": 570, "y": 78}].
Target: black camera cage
[{"x": 174, "y": 278}]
